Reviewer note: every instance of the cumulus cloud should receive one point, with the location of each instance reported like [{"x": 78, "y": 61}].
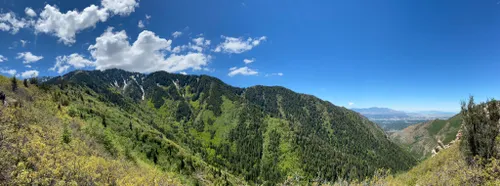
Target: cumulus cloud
[
  {"x": 11, "y": 72},
  {"x": 63, "y": 63},
  {"x": 148, "y": 17},
  {"x": 197, "y": 45},
  {"x": 351, "y": 103},
  {"x": 183, "y": 73},
  {"x": 120, "y": 7},
  {"x": 2, "y": 59},
  {"x": 65, "y": 26},
  {"x": 28, "y": 57},
  {"x": 30, "y": 74},
  {"x": 30, "y": 12},
  {"x": 248, "y": 61},
  {"x": 176, "y": 34},
  {"x": 140, "y": 24},
  {"x": 9, "y": 22},
  {"x": 233, "y": 45},
  {"x": 4, "y": 27},
  {"x": 200, "y": 44},
  {"x": 148, "y": 53},
  {"x": 245, "y": 71}
]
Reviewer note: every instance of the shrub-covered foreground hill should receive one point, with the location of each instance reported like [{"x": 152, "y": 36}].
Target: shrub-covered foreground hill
[{"x": 118, "y": 127}]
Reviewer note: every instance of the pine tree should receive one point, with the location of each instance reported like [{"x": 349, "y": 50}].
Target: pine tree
[
  {"x": 14, "y": 83},
  {"x": 480, "y": 129},
  {"x": 25, "y": 82},
  {"x": 34, "y": 81},
  {"x": 2, "y": 97},
  {"x": 104, "y": 122}
]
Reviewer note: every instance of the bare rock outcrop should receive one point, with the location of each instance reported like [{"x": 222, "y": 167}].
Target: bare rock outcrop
[{"x": 441, "y": 146}]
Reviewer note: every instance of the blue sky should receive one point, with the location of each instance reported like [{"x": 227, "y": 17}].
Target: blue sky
[{"x": 401, "y": 54}]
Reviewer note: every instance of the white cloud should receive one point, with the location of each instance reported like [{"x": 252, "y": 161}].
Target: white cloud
[
  {"x": 147, "y": 54},
  {"x": 140, "y": 24},
  {"x": 351, "y": 103},
  {"x": 183, "y": 73},
  {"x": 28, "y": 57},
  {"x": 11, "y": 72},
  {"x": 200, "y": 41},
  {"x": 30, "y": 12},
  {"x": 63, "y": 63},
  {"x": 242, "y": 71},
  {"x": 66, "y": 25},
  {"x": 234, "y": 45},
  {"x": 9, "y": 22},
  {"x": 178, "y": 49},
  {"x": 120, "y": 7},
  {"x": 248, "y": 61},
  {"x": 28, "y": 66},
  {"x": 199, "y": 44},
  {"x": 176, "y": 34},
  {"x": 148, "y": 17},
  {"x": 275, "y": 74},
  {"x": 24, "y": 42},
  {"x": 4, "y": 27},
  {"x": 2, "y": 59},
  {"x": 30, "y": 74}
]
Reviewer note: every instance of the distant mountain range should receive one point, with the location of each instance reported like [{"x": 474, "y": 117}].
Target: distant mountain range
[
  {"x": 380, "y": 113},
  {"x": 391, "y": 120},
  {"x": 375, "y": 113}
]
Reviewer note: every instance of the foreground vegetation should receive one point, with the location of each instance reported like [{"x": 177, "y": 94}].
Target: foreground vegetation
[{"x": 41, "y": 145}]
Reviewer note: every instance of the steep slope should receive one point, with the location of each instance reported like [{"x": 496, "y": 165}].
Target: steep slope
[
  {"x": 212, "y": 133},
  {"x": 42, "y": 145},
  {"x": 421, "y": 138}
]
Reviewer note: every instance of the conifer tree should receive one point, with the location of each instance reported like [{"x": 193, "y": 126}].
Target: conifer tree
[{"x": 14, "y": 83}]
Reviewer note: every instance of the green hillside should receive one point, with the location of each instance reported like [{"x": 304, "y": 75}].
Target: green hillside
[
  {"x": 421, "y": 138},
  {"x": 189, "y": 130}
]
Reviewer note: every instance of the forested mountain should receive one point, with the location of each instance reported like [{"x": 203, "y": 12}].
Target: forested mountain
[
  {"x": 198, "y": 129},
  {"x": 421, "y": 138}
]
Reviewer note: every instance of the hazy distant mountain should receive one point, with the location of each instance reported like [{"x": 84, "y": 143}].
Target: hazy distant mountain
[
  {"x": 432, "y": 114},
  {"x": 380, "y": 113},
  {"x": 390, "y": 119},
  {"x": 387, "y": 113}
]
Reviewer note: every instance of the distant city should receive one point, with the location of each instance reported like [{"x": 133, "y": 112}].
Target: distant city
[{"x": 392, "y": 120}]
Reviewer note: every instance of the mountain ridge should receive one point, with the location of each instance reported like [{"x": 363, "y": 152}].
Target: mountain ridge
[{"x": 284, "y": 126}]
